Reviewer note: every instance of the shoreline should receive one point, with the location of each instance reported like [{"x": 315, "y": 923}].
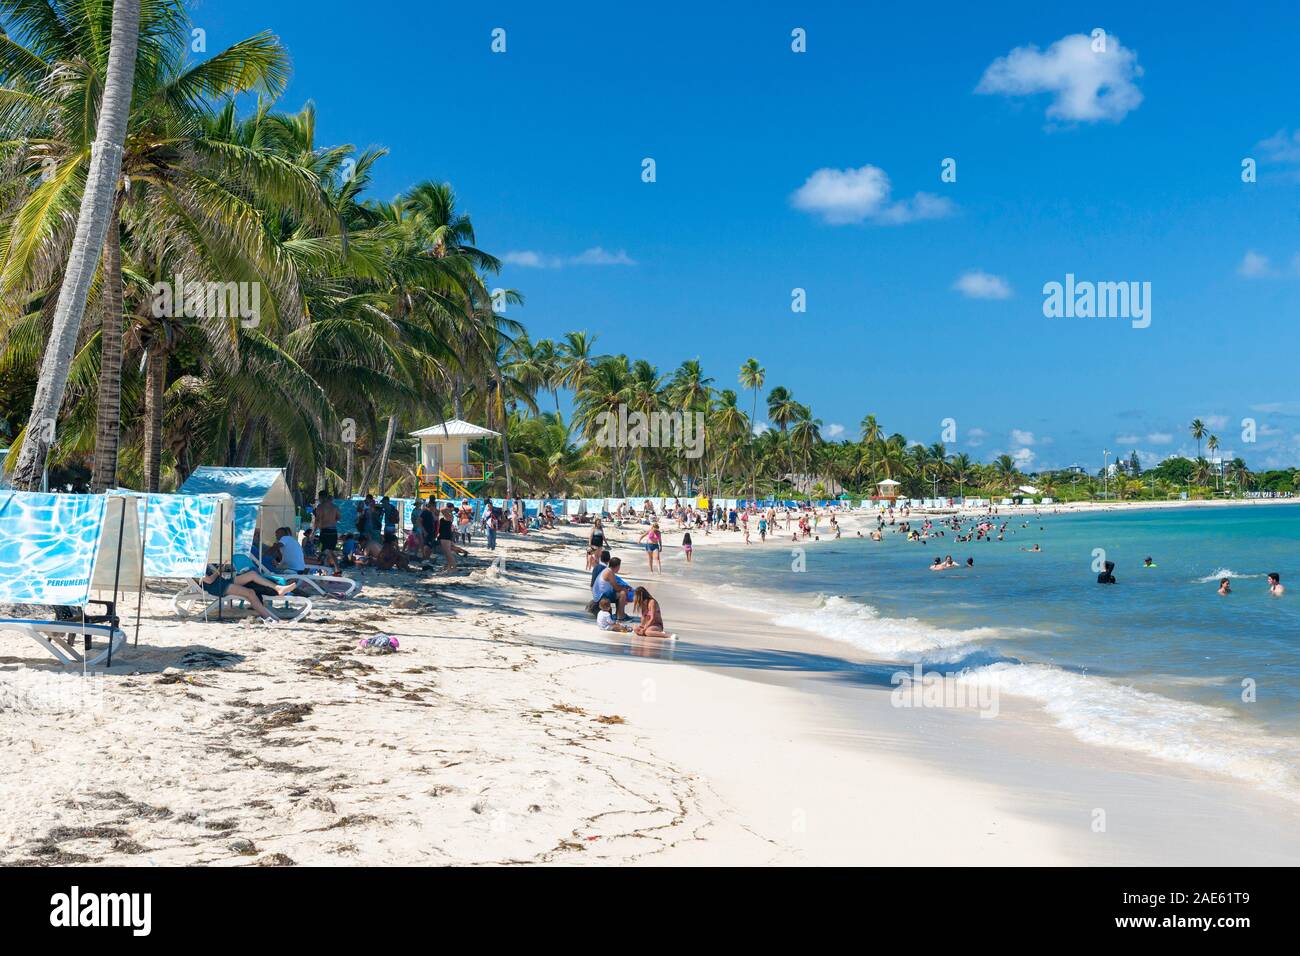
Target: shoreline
[
  {"x": 1040, "y": 775},
  {"x": 509, "y": 730}
]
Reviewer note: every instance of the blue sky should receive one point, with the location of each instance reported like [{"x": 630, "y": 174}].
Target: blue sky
[{"x": 1123, "y": 165}]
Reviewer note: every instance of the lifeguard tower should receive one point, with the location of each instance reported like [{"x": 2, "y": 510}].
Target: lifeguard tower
[
  {"x": 887, "y": 490},
  {"x": 444, "y": 469}
]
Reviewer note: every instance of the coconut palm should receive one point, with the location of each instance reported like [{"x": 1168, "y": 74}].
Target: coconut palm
[
  {"x": 1197, "y": 429},
  {"x": 36, "y": 66},
  {"x": 577, "y": 357},
  {"x": 752, "y": 376}
]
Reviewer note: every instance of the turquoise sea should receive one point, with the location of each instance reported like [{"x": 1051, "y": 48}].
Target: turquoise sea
[{"x": 1157, "y": 663}]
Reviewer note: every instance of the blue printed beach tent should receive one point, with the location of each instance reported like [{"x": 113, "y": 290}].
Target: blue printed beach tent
[
  {"x": 262, "y": 499},
  {"x": 68, "y": 551}
]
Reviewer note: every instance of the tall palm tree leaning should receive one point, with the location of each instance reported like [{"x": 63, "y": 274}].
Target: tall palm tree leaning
[
  {"x": 88, "y": 241},
  {"x": 752, "y": 376}
]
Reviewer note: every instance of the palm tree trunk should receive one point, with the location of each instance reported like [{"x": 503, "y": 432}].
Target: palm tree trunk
[
  {"x": 245, "y": 446},
  {"x": 387, "y": 449},
  {"x": 155, "y": 375},
  {"x": 505, "y": 453},
  {"x": 87, "y": 243},
  {"x": 108, "y": 418}
]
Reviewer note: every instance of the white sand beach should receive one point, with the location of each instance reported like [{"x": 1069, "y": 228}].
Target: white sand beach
[{"x": 507, "y": 729}]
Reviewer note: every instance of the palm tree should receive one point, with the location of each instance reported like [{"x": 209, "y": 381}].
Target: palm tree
[
  {"x": 604, "y": 389},
  {"x": 752, "y": 376},
  {"x": 961, "y": 466},
  {"x": 1198, "y": 432},
  {"x": 92, "y": 223},
  {"x": 1006, "y": 472},
  {"x": 804, "y": 437},
  {"x": 871, "y": 430},
  {"x": 1213, "y": 445},
  {"x": 576, "y": 359}
]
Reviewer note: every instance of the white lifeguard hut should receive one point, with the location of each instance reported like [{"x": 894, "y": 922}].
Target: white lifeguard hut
[
  {"x": 888, "y": 489},
  {"x": 443, "y": 469}
]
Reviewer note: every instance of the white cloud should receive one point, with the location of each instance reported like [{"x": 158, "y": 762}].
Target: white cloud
[
  {"x": 1277, "y": 408},
  {"x": 1019, "y": 437},
  {"x": 842, "y": 196},
  {"x": 976, "y": 284},
  {"x": 834, "y": 430},
  {"x": 760, "y": 427},
  {"x": 975, "y": 437},
  {"x": 595, "y": 256},
  {"x": 1023, "y": 458},
  {"x": 1255, "y": 265},
  {"x": 1127, "y": 439},
  {"x": 1281, "y": 147},
  {"x": 1160, "y": 438},
  {"x": 1088, "y": 85},
  {"x": 1215, "y": 421}
]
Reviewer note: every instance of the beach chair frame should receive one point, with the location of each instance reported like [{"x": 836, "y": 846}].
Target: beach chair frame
[
  {"x": 57, "y": 637},
  {"x": 193, "y": 601}
]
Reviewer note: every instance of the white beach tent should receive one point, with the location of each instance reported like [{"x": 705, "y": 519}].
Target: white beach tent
[
  {"x": 68, "y": 551},
  {"x": 262, "y": 499}
]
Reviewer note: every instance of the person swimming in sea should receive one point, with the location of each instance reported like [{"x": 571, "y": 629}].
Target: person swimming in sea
[
  {"x": 1034, "y": 548},
  {"x": 1107, "y": 576},
  {"x": 1224, "y": 586},
  {"x": 1148, "y": 563},
  {"x": 1275, "y": 584}
]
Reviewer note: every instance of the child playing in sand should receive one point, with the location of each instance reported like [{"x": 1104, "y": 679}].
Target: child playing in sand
[{"x": 605, "y": 618}]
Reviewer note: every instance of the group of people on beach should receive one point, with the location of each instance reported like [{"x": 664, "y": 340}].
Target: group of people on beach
[{"x": 611, "y": 595}]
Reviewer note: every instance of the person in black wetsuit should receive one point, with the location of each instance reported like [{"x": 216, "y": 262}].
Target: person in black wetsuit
[{"x": 1107, "y": 576}]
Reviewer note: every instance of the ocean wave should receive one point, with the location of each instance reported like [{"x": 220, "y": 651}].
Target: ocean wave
[
  {"x": 1223, "y": 573},
  {"x": 895, "y": 638},
  {"x": 1101, "y": 711}
]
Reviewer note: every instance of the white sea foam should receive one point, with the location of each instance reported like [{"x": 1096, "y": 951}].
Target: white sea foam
[
  {"x": 1224, "y": 573},
  {"x": 1096, "y": 710},
  {"x": 858, "y": 624},
  {"x": 1102, "y": 711}
]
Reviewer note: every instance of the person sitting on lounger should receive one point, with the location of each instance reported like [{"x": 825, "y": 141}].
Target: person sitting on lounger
[{"x": 217, "y": 583}]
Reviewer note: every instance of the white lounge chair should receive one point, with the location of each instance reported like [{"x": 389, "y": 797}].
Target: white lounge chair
[
  {"x": 58, "y": 638},
  {"x": 321, "y": 585},
  {"x": 193, "y": 601}
]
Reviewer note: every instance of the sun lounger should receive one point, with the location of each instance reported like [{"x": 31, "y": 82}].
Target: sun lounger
[
  {"x": 55, "y": 549},
  {"x": 193, "y": 601},
  {"x": 310, "y": 582},
  {"x": 60, "y": 638}
]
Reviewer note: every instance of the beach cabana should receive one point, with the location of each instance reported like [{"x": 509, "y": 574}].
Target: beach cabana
[
  {"x": 262, "y": 499},
  {"x": 61, "y": 550},
  {"x": 888, "y": 488}
]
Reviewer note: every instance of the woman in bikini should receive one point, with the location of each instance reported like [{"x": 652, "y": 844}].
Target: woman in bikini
[
  {"x": 653, "y": 546},
  {"x": 652, "y": 619}
]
